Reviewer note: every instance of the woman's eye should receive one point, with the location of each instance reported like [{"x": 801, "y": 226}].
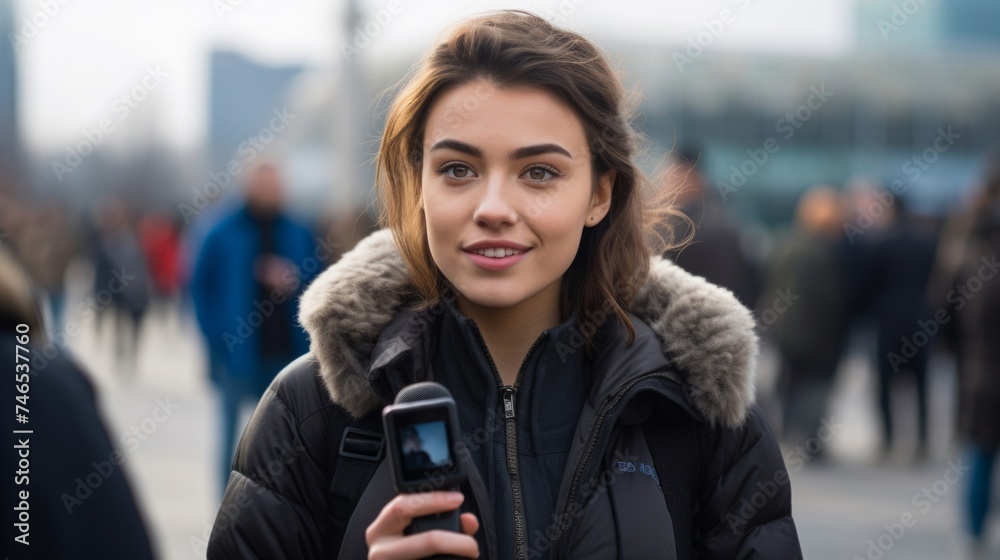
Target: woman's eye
[
  {"x": 458, "y": 171},
  {"x": 540, "y": 174}
]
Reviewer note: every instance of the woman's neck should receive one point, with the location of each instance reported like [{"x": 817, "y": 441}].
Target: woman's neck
[{"x": 509, "y": 332}]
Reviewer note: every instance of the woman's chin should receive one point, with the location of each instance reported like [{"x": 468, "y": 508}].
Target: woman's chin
[{"x": 486, "y": 296}]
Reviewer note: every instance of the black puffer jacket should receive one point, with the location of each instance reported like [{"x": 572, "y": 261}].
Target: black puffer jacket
[{"x": 691, "y": 368}]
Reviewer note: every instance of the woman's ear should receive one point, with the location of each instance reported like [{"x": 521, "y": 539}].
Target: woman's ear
[{"x": 600, "y": 203}]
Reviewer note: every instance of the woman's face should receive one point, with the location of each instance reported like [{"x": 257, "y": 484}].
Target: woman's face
[{"x": 507, "y": 168}]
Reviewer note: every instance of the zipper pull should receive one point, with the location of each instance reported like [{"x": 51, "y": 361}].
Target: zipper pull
[{"x": 508, "y": 402}]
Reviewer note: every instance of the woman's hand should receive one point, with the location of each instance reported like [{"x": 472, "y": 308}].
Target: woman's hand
[{"x": 385, "y": 535}]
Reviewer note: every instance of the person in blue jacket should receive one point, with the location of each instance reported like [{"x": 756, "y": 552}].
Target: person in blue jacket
[{"x": 251, "y": 269}]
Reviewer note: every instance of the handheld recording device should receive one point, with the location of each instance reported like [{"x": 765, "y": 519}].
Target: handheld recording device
[{"x": 422, "y": 433}]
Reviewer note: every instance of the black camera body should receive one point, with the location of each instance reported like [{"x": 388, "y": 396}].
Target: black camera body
[{"x": 422, "y": 432}]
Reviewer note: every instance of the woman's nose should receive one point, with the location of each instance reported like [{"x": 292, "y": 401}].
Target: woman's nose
[{"x": 494, "y": 208}]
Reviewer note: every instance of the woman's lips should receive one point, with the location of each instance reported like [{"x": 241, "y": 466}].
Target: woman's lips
[{"x": 496, "y": 263}]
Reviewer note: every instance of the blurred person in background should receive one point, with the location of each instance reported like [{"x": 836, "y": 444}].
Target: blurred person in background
[
  {"x": 966, "y": 284},
  {"x": 245, "y": 286},
  {"x": 45, "y": 244},
  {"x": 866, "y": 218},
  {"x": 899, "y": 259},
  {"x": 160, "y": 238},
  {"x": 805, "y": 287},
  {"x": 714, "y": 251},
  {"x": 68, "y": 518},
  {"x": 121, "y": 269}
]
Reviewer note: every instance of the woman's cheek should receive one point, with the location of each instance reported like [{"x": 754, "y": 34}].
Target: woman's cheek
[
  {"x": 572, "y": 232},
  {"x": 539, "y": 205}
]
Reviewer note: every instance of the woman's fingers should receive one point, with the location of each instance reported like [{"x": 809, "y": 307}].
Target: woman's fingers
[
  {"x": 422, "y": 545},
  {"x": 469, "y": 523},
  {"x": 398, "y": 513},
  {"x": 385, "y": 535}
]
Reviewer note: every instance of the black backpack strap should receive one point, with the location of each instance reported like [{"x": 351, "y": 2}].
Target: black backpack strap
[
  {"x": 672, "y": 445},
  {"x": 359, "y": 451}
]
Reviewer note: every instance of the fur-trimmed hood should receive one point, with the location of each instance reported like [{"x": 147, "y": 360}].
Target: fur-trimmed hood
[{"x": 704, "y": 330}]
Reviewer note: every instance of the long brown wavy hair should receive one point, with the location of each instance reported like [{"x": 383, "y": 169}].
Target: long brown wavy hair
[{"x": 513, "y": 48}]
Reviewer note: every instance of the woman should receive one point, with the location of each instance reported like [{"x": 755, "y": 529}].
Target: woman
[{"x": 572, "y": 357}]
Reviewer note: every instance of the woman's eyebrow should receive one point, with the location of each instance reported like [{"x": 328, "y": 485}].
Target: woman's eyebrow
[{"x": 527, "y": 151}]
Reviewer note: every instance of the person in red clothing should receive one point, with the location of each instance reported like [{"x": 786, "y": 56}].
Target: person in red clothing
[{"x": 161, "y": 242}]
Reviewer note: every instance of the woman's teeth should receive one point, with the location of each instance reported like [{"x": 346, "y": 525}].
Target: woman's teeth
[{"x": 498, "y": 252}]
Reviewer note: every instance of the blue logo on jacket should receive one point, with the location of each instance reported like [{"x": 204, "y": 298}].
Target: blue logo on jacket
[{"x": 639, "y": 467}]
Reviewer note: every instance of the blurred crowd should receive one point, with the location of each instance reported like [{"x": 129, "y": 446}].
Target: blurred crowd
[
  {"x": 238, "y": 276},
  {"x": 857, "y": 269},
  {"x": 138, "y": 261}
]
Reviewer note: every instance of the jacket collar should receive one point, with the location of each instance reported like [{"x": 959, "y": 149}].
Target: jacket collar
[{"x": 708, "y": 336}]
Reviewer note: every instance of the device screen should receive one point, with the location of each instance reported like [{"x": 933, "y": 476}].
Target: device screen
[{"x": 424, "y": 448}]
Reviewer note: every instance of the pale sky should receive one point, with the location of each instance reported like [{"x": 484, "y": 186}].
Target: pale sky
[{"x": 92, "y": 52}]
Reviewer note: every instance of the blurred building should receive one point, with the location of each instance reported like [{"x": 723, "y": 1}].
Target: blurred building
[
  {"x": 10, "y": 148},
  {"x": 243, "y": 98},
  {"x": 927, "y": 25},
  {"x": 917, "y": 69},
  {"x": 971, "y": 23},
  {"x": 883, "y": 109}
]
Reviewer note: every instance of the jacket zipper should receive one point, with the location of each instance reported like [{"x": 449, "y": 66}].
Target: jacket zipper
[
  {"x": 557, "y": 542},
  {"x": 509, "y": 392}
]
